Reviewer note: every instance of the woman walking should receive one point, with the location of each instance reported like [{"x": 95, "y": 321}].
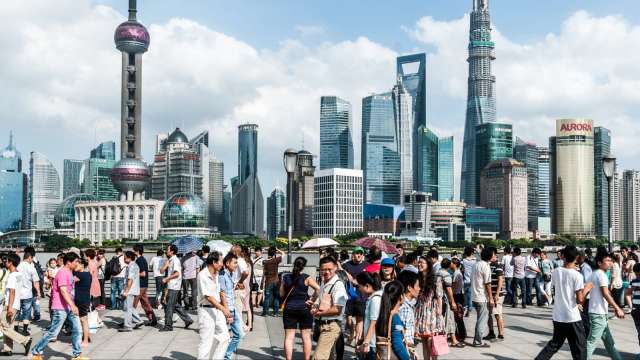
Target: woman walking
[
  {"x": 389, "y": 327},
  {"x": 546, "y": 267},
  {"x": 294, "y": 290},
  {"x": 95, "y": 290},
  {"x": 429, "y": 319},
  {"x": 82, "y": 297}
]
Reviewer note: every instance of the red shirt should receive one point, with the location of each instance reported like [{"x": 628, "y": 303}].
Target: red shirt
[{"x": 373, "y": 268}]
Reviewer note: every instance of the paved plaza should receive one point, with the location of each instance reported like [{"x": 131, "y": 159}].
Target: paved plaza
[{"x": 527, "y": 331}]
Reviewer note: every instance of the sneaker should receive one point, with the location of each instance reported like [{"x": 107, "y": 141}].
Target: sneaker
[
  {"x": 489, "y": 337},
  {"x": 37, "y": 357},
  {"x": 138, "y": 325},
  {"x": 186, "y": 325},
  {"x": 483, "y": 345},
  {"x": 125, "y": 329},
  {"x": 80, "y": 357},
  {"x": 9, "y": 353},
  {"x": 500, "y": 337},
  {"x": 166, "y": 329}
]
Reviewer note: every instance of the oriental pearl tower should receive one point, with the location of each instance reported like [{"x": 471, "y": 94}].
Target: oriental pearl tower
[{"x": 130, "y": 175}]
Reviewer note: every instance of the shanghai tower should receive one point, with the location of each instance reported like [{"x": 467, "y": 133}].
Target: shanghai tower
[
  {"x": 130, "y": 175},
  {"x": 481, "y": 103}
]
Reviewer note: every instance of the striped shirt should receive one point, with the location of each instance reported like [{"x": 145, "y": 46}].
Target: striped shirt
[
  {"x": 407, "y": 315},
  {"x": 635, "y": 292}
]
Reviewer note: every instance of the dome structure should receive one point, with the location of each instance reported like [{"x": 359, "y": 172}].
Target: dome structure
[
  {"x": 130, "y": 175},
  {"x": 132, "y": 37},
  {"x": 177, "y": 136},
  {"x": 65, "y": 215},
  {"x": 184, "y": 210}
]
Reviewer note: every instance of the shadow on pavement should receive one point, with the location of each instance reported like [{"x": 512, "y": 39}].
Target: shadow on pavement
[
  {"x": 528, "y": 330},
  {"x": 244, "y": 353}
]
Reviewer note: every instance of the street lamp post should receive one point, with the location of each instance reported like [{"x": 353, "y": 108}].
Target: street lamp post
[
  {"x": 609, "y": 168},
  {"x": 290, "y": 163}
]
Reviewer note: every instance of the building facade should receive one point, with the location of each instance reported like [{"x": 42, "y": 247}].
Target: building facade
[
  {"x": 97, "y": 179},
  {"x": 494, "y": 141},
  {"x": 427, "y": 170},
  {"x": 276, "y": 213},
  {"x": 404, "y": 122},
  {"x": 601, "y": 148},
  {"x": 417, "y": 216},
  {"x": 216, "y": 194},
  {"x": 631, "y": 205},
  {"x": 105, "y": 150},
  {"x": 247, "y": 203},
  {"x": 445, "y": 169},
  {"x": 544, "y": 180},
  {"x": 573, "y": 178},
  {"x": 504, "y": 186},
  {"x": 482, "y": 220},
  {"x": 336, "y": 144},
  {"x": 13, "y": 189},
  {"x": 382, "y": 219},
  {"x": 528, "y": 154},
  {"x": 44, "y": 192},
  {"x": 303, "y": 190},
  {"x": 380, "y": 161},
  {"x": 71, "y": 174},
  {"x": 337, "y": 206}
]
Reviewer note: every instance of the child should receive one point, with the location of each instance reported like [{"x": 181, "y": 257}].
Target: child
[
  {"x": 52, "y": 270},
  {"x": 634, "y": 292}
]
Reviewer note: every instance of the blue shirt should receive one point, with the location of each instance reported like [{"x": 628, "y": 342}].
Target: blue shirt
[
  {"x": 397, "y": 338},
  {"x": 226, "y": 285}
]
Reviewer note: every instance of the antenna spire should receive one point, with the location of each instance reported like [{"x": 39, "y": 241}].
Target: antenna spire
[
  {"x": 10, "y": 139},
  {"x": 132, "y": 10}
]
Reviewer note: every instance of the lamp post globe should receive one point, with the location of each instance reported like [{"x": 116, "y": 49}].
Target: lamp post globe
[
  {"x": 608, "y": 165},
  {"x": 290, "y": 160}
]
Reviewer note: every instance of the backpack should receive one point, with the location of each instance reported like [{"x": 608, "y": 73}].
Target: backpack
[
  {"x": 113, "y": 267},
  {"x": 4, "y": 276},
  {"x": 40, "y": 278}
]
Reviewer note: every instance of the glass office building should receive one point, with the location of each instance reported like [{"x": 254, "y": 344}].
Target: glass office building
[
  {"x": 527, "y": 153},
  {"x": 494, "y": 141},
  {"x": 97, "y": 179},
  {"x": 13, "y": 185},
  {"x": 380, "y": 161},
  {"x": 428, "y": 161},
  {"x": 544, "y": 198},
  {"x": 445, "y": 169},
  {"x": 276, "y": 213},
  {"x": 71, "y": 175},
  {"x": 336, "y": 144},
  {"x": 405, "y": 136},
  {"x": 482, "y": 219},
  {"x": 601, "y": 148},
  {"x": 44, "y": 192},
  {"x": 247, "y": 203},
  {"x": 105, "y": 150}
]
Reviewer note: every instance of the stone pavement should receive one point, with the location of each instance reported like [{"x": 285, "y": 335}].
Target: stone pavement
[{"x": 527, "y": 332}]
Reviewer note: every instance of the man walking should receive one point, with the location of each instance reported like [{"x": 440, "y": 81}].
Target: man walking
[
  {"x": 143, "y": 298},
  {"x": 271, "y": 280},
  {"x": 519, "y": 263},
  {"x": 481, "y": 293},
  {"x": 173, "y": 282},
  {"x": 117, "y": 279},
  {"x": 63, "y": 309},
  {"x": 191, "y": 264},
  {"x": 11, "y": 308},
  {"x": 131, "y": 291},
  {"x": 505, "y": 262},
  {"x": 30, "y": 281},
  {"x": 157, "y": 264},
  {"x": 567, "y": 323},
  {"x": 498, "y": 294},
  {"x": 598, "y": 308},
  {"x": 531, "y": 277},
  {"x": 213, "y": 314},
  {"x": 468, "y": 262},
  {"x": 228, "y": 287}
]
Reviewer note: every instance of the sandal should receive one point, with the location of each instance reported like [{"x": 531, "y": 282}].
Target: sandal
[{"x": 458, "y": 345}]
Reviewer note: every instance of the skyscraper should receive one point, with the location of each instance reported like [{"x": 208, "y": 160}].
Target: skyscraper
[
  {"x": 544, "y": 201},
  {"x": 71, "y": 177},
  {"x": 336, "y": 145},
  {"x": 247, "y": 203},
  {"x": 303, "y": 195},
  {"x": 445, "y": 169},
  {"x": 380, "y": 162},
  {"x": 105, "y": 150},
  {"x": 337, "y": 202},
  {"x": 404, "y": 121},
  {"x": 276, "y": 213},
  {"x": 427, "y": 170},
  {"x": 572, "y": 178},
  {"x": 528, "y": 154},
  {"x": 631, "y": 205},
  {"x": 601, "y": 148},
  {"x": 481, "y": 103},
  {"x": 176, "y": 168},
  {"x": 494, "y": 141},
  {"x": 216, "y": 194},
  {"x": 13, "y": 188},
  {"x": 44, "y": 192}
]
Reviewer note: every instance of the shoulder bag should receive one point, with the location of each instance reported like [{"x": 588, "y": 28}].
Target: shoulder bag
[{"x": 383, "y": 345}]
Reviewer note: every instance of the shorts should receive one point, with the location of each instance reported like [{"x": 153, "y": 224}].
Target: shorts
[
  {"x": 497, "y": 309},
  {"x": 258, "y": 280},
  {"x": 25, "y": 309},
  {"x": 294, "y": 319},
  {"x": 356, "y": 308},
  {"x": 84, "y": 309}
]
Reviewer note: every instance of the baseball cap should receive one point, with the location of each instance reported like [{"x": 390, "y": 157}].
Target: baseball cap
[
  {"x": 387, "y": 262},
  {"x": 358, "y": 249}
]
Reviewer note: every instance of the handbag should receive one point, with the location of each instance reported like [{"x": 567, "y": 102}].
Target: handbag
[
  {"x": 92, "y": 319},
  {"x": 383, "y": 346},
  {"x": 439, "y": 345},
  {"x": 284, "y": 303}
]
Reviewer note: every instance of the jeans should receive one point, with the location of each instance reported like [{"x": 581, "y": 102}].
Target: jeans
[
  {"x": 58, "y": 318},
  {"x": 573, "y": 332},
  {"x": 467, "y": 296},
  {"x": 481, "y": 322},
  {"x": 515, "y": 283},
  {"x": 531, "y": 283},
  {"x": 25, "y": 310},
  {"x": 190, "y": 301},
  {"x": 237, "y": 334},
  {"x": 509, "y": 299},
  {"x": 35, "y": 305},
  {"x": 131, "y": 317},
  {"x": 600, "y": 330},
  {"x": 173, "y": 304},
  {"x": 117, "y": 286},
  {"x": 271, "y": 297},
  {"x": 159, "y": 288}
]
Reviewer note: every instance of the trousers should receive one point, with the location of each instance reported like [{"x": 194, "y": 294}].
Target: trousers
[
  {"x": 10, "y": 335},
  {"x": 573, "y": 332},
  {"x": 131, "y": 317},
  {"x": 213, "y": 329},
  {"x": 481, "y": 323},
  {"x": 600, "y": 330}
]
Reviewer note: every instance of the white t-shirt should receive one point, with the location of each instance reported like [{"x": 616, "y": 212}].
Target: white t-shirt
[
  {"x": 174, "y": 265},
  {"x": 531, "y": 263},
  {"x": 371, "y": 313},
  {"x": 597, "y": 303},
  {"x": 29, "y": 276},
  {"x": 480, "y": 276},
  {"x": 566, "y": 282},
  {"x": 338, "y": 295},
  {"x": 14, "y": 281},
  {"x": 156, "y": 264},
  {"x": 467, "y": 264},
  {"x": 242, "y": 267},
  {"x": 506, "y": 265}
]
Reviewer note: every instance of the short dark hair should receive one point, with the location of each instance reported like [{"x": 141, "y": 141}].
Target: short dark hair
[
  {"x": 570, "y": 253},
  {"x": 401, "y": 259},
  {"x": 432, "y": 254},
  {"x": 90, "y": 253},
  {"x": 411, "y": 257},
  {"x": 206, "y": 249},
  {"x": 70, "y": 257},
  {"x": 173, "y": 248},
  {"x": 230, "y": 256},
  {"x": 408, "y": 278},
  {"x": 213, "y": 258},
  {"x": 456, "y": 262},
  {"x": 536, "y": 251},
  {"x": 14, "y": 259},
  {"x": 130, "y": 255},
  {"x": 31, "y": 250},
  {"x": 27, "y": 255},
  {"x": 328, "y": 259},
  {"x": 375, "y": 254},
  {"x": 138, "y": 248},
  {"x": 600, "y": 256},
  {"x": 487, "y": 253},
  {"x": 468, "y": 251},
  {"x": 118, "y": 249},
  {"x": 507, "y": 249},
  {"x": 159, "y": 252},
  {"x": 272, "y": 251},
  {"x": 517, "y": 251},
  {"x": 445, "y": 263},
  {"x": 366, "y": 278},
  {"x": 258, "y": 248}
]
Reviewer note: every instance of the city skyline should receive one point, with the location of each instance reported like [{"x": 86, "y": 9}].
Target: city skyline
[{"x": 270, "y": 106}]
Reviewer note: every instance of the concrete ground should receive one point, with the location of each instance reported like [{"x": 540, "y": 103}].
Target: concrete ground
[{"x": 527, "y": 332}]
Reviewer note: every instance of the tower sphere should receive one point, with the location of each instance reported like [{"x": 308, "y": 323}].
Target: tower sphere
[
  {"x": 130, "y": 175},
  {"x": 132, "y": 37}
]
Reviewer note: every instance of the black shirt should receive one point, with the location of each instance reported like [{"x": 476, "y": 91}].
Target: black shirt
[
  {"x": 144, "y": 267},
  {"x": 82, "y": 287},
  {"x": 496, "y": 272}
]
